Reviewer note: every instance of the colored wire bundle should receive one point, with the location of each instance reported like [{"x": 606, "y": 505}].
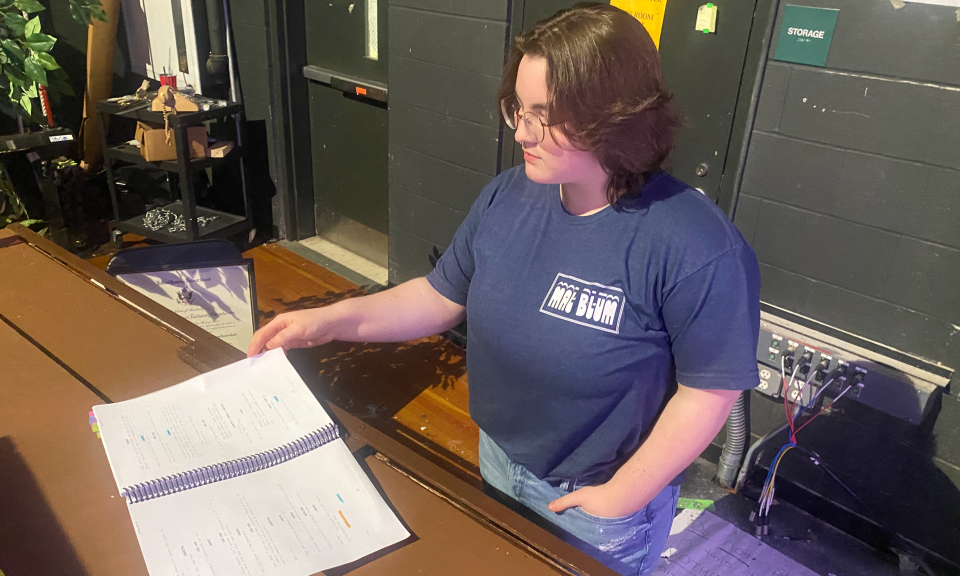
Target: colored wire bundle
[
  {"x": 761, "y": 515},
  {"x": 792, "y": 409},
  {"x": 827, "y": 407}
]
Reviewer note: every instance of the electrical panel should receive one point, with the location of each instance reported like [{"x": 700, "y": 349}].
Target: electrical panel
[{"x": 798, "y": 357}]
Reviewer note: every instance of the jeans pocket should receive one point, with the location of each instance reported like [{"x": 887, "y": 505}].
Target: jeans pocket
[
  {"x": 621, "y": 536},
  {"x": 604, "y": 520}
]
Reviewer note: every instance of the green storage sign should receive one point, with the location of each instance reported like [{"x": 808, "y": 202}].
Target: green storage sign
[{"x": 806, "y": 34}]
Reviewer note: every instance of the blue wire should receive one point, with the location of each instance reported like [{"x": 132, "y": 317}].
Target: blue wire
[
  {"x": 773, "y": 463},
  {"x": 788, "y": 444}
]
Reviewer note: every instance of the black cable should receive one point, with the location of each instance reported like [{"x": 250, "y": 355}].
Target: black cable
[
  {"x": 815, "y": 458},
  {"x": 874, "y": 516}
]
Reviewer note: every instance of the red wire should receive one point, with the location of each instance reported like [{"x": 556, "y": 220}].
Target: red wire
[
  {"x": 813, "y": 418},
  {"x": 793, "y": 405},
  {"x": 793, "y": 408},
  {"x": 822, "y": 409},
  {"x": 819, "y": 412}
]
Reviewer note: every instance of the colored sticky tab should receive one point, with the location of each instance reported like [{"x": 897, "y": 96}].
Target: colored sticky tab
[
  {"x": 707, "y": 18},
  {"x": 695, "y": 504},
  {"x": 92, "y": 415},
  {"x": 98, "y": 434},
  {"x": 95, "y": 427}
]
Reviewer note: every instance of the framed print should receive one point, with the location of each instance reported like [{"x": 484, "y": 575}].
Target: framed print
[{"x": 220, "y": 298}]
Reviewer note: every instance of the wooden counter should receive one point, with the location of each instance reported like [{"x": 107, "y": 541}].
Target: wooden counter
[{"x": 68, "y": 343}]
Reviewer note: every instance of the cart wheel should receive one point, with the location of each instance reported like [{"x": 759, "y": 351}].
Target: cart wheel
[{"x": 116, "y": 236}]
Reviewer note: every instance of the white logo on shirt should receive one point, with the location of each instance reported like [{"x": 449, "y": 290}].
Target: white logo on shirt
[{"x": 585, "y": 303}]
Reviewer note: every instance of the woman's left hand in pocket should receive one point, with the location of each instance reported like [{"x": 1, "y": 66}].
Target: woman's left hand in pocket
[{"x": 604, "y": 500}]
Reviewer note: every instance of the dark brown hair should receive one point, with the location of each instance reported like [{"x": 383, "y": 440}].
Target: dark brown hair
[{"x": 607, "y": 93}]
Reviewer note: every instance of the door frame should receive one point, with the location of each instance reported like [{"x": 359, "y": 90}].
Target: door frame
[
  {"x": 745, "y": 112},
  {"x": 290, "y": 105},
  {"x": 290, "y": 78}
]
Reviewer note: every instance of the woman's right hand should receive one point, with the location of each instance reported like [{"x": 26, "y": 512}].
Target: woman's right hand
[
  {"x": 301, "y": 329},
  {"x": 411, "y": 310}
]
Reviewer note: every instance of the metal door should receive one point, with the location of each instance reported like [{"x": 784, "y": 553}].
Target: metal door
[
  {"x": 346, "y": 55},
  {"x": 704, "y": 72}
]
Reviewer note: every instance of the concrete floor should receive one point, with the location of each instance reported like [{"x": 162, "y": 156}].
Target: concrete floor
[{"x": 358, "y": 264}]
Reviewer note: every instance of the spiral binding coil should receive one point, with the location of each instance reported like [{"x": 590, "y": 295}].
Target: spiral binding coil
[{"x": 230, "y": 469}]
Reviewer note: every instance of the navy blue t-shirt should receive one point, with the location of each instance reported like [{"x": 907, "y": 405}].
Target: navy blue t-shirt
[{"x": 580, "y": 327}]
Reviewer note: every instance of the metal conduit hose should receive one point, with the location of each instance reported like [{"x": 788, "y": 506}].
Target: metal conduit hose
[
  {"x": 735, "y": 443},
  {"x": 752, "y": 454}
]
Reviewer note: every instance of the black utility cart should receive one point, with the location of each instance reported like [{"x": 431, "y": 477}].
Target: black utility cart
[{"x": 199, "y": 223}]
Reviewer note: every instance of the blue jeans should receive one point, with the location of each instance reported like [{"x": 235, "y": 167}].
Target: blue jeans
[{"x": 630, "y": 545}]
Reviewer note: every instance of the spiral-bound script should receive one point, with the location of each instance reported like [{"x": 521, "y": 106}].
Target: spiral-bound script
[
  {"x": 277, "y": 492},
  {"x": 230, "y": 469}
]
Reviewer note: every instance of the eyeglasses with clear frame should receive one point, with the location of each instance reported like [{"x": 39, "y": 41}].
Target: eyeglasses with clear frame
[{"x": 510, "y": 108}]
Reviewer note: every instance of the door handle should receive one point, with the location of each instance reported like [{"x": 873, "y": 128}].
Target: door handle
[{"x": 347, "y": 84}]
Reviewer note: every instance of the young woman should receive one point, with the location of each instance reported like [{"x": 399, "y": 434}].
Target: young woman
[{"x": 613, "y": 311}]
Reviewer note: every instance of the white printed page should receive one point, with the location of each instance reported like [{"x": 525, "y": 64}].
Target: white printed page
[
  {"x": 248, "y": 407},
  {"x": 309, "y": 514}
]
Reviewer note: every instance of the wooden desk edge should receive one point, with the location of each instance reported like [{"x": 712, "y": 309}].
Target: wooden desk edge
[
  {"x": 209, "y": 353},
  {"x": 200, "y": 347},
  {"x": 524, "y": 532}
]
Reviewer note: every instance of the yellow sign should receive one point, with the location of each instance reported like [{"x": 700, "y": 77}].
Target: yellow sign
[{"x": 648, "y": 12}]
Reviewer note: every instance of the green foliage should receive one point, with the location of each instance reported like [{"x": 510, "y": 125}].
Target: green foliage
[
  {"x": 28, "y": 6},
  {"x": 15, "y": 23},
  {"x": 14, "y": 51},
  {"x": 35, "y": 71},
  {"x": 32, "y": 26},
  {"x": 84, "y": 10},
  {"x": 26, "y": 64},
  {"x": 46, "y": 60},
  {"x": 25, "y": 58},
  {"x": 12, "y": 209},
  {"x": 40, "y": 42}
]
